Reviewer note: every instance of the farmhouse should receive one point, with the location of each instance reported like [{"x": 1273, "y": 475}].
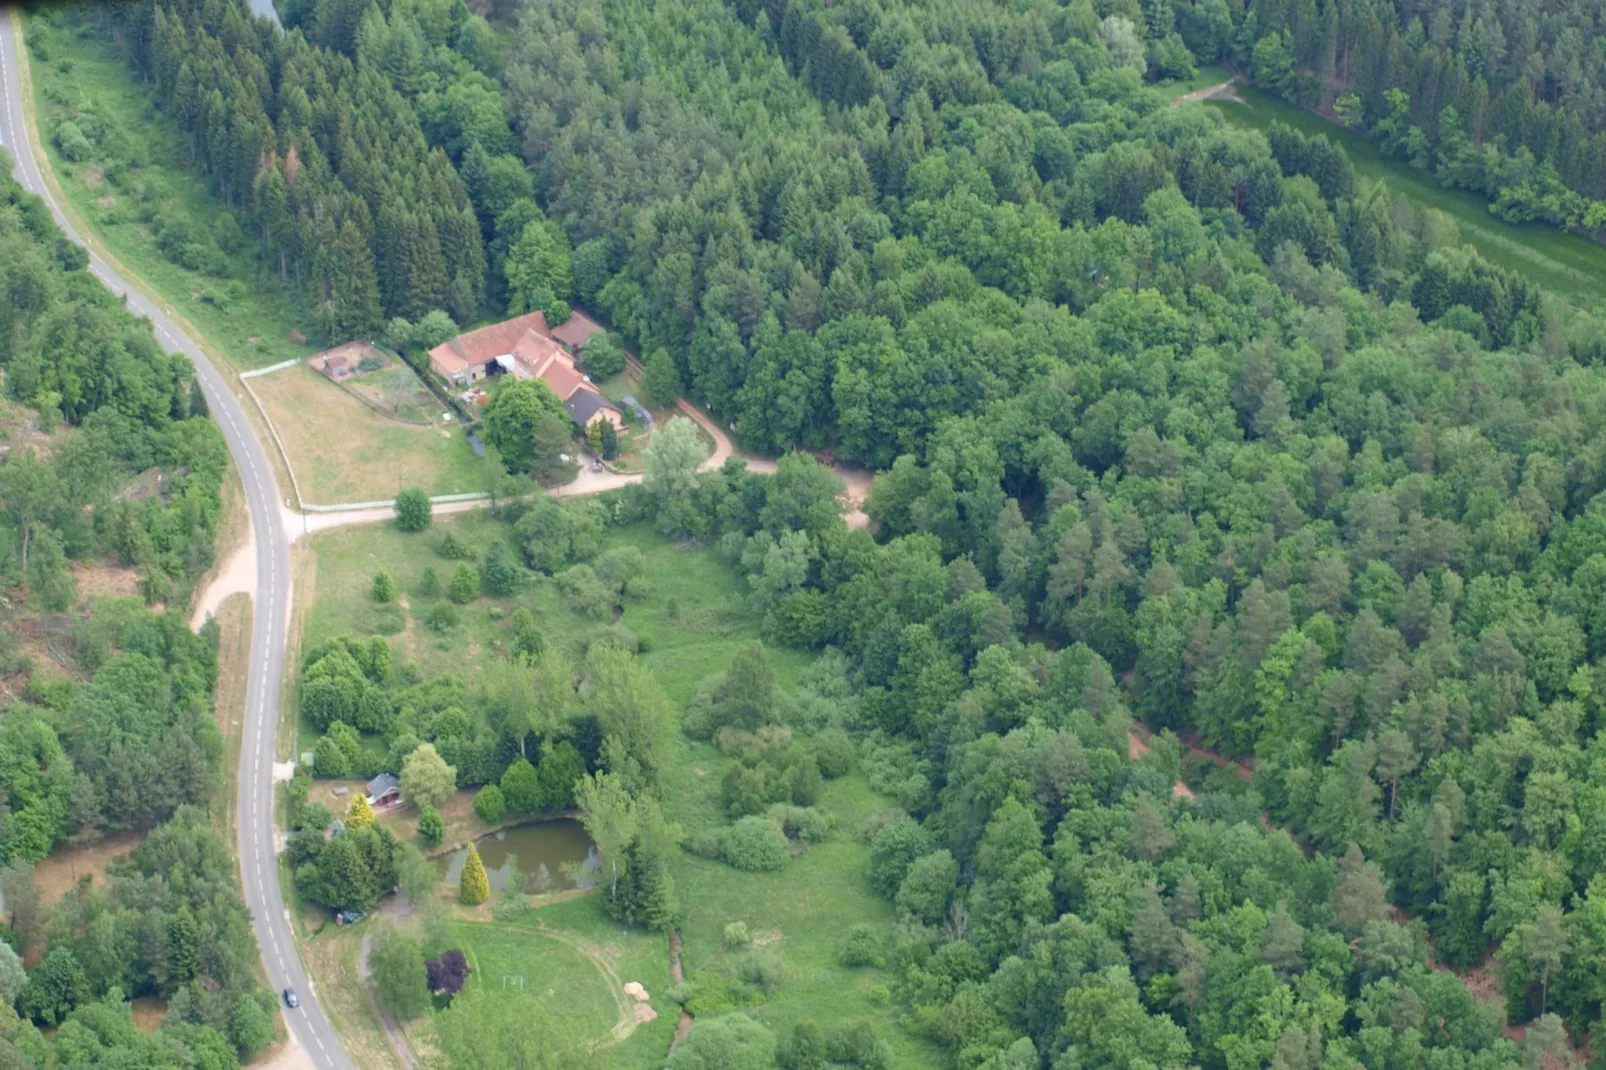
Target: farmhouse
[{"x": 526, "y": 348}]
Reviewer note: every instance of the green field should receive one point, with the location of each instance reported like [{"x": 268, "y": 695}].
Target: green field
[
  {"x": 246, "y": 314},
  {"x": 517, "y": 956},
  {"x": 694, "y": 620},
  {"x": 571, "y": 954},
  {"x": 1568, "y": 265},
  {"x": 1206, "y": 76},
  {"x": 691, "y": 639}
]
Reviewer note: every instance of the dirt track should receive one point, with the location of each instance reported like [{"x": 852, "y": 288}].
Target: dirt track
[{"x": 1224, "y": 88}]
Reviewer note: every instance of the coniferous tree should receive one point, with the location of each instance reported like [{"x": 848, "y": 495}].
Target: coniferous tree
[
  {"x": 474, "y": 887},
  {"x": 359, "y": 815}
]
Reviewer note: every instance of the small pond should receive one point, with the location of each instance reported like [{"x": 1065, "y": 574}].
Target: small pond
[{"x": 545, "y": 854}]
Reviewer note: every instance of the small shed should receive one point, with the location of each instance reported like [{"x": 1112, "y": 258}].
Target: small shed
[
  {"x": 337, "y": 366},
  {"x": 384, "y": 790}
]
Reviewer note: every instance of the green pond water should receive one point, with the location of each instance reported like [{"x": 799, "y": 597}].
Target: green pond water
[{"x": 552, "y": 856}]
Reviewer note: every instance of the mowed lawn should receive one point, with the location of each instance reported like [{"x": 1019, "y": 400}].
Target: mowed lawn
[
  {"x": 246, "y": 315},
  {"x": 343, "y": 451},
  {"x": 694, "y": 620},
  {"x": 1569, "y": 265},
  {"x": 517, "y": 956}
]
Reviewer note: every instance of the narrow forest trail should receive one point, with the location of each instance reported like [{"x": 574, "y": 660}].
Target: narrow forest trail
[
  {"x": 1137, "y": 746},
  {"x": 1208, "y": 92}
]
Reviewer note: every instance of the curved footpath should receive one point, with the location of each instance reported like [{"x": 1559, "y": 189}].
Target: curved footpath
[{"x": 258, "y": 865}]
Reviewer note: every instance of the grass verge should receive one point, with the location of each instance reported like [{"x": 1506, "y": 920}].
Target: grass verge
[
  {"x": 234, "y": 663},
  {"x": 1568, "y": 265}
]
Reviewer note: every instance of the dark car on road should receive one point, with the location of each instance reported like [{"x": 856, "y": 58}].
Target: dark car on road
[{"x": 291, "y": 999}]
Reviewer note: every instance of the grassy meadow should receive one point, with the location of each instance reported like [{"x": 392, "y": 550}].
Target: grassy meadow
[
  {"x": 693, "y": 621},
  {"x": 1568, "y": 265}
]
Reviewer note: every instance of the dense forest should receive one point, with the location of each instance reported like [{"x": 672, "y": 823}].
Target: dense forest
[
  {"x": 72, "y": 354},
  {"x": 1179, "y": 422}
]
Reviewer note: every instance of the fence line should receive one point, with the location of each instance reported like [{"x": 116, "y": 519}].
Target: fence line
[
  {"x": 349, "y": 507},
  {"x": 283, "y": 364}
]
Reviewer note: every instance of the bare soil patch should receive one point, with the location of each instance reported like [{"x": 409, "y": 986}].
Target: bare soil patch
[
  {"x": 234, "y": 569},
  {"x": 462, "y": 823},
  {"x": 1219, "y": 91},
  {"x": 148, "y": 1012},
  {"x": 285, "y": 1056},
  {"x": 104, "y": 579},
  {"x": 62, "y": 868}
]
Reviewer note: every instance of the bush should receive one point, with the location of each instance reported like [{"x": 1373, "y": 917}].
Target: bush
[
  {"x": 465, "y": 583},
  {"x": 736, "y": 936},
  {"x": 329, "y": 760},
  {"x": 833, "y": 752},
  {"x": 431, "y": 826},
  {"x": 803, "y": 823},
  {"x": 442, "y": 617},
  {"x": 754, "y": 845},
  {"x": 586, "y": 594},
  {"x": 761, "y": 970},
  {"x": 74, "y": 146},
  {"x": 602, "y": 357},
  {"x": 435, "y": 328},
  {"x": 452, "y": 548},
  {"x": 429, "y": 582},
  {"x": 704, "y": 844},
  {"x": 893, "y": 850},
  {"x": 860, "y": 947},
  {"x": 389, "y": 620},
  {"x": 384, "y": 587},
  {"x": 731, "y": 1041},
  {"x": 489, "y": 804},
  {"x": 511, "y": 907},
  {"x": 413, "y": 510}
]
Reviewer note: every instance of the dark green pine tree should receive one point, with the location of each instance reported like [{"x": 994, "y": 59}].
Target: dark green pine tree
[
  {"x": 463, "y": 254},
  {"x": 389, "y": 240},
  {"x": 423, "y": 270},
  {"x": 657, "y": 906},
  {"x": 184, "y": 947},
  {"x": 358, "y": 296}
]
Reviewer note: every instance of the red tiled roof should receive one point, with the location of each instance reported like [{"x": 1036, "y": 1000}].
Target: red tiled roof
[
  {"x": 564, "y": 380},
  {"x": 576, "y": 330},
  {"x": 536, "y": 351},
  {"x": 477, "y": 347}
]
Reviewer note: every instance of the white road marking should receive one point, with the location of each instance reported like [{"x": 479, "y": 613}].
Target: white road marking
[{"x": 244, "y": 447}]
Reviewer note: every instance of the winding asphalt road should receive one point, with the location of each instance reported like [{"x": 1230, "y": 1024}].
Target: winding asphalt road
[{"x": 258, "y": 866}]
